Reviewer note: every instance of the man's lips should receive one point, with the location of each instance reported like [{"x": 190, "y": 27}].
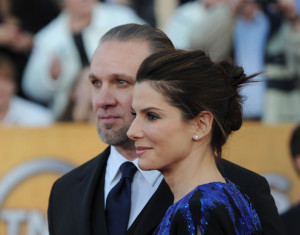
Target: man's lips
[
  {"x": 140, "y": 150},
  {"x": 108, "y": 118}
]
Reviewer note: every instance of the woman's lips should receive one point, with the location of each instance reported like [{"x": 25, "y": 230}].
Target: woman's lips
[{"x": 140, "y": 150}]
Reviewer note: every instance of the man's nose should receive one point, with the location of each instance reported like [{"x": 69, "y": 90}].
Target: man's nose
[{"x": 104, "y": 98}]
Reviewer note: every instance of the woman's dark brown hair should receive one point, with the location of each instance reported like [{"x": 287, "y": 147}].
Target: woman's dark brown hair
[{"x": 193, "y": 83}]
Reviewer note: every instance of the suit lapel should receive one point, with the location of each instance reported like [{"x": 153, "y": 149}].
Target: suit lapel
[
  {"x": 153, "y": 212},
  {"x": 84, "y": 192}
]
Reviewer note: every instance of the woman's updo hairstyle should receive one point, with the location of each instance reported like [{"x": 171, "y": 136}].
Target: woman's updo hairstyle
[{"x": 193, "y": 83}]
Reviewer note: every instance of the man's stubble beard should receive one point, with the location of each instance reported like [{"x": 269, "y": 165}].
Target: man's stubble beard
[{"x": 115, "y": 137}]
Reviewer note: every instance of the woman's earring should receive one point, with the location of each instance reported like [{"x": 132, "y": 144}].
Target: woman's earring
[{"x": 196, "y": 137}]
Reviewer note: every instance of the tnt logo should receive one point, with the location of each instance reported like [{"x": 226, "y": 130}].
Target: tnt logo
[{"x": 18, "y": 220}]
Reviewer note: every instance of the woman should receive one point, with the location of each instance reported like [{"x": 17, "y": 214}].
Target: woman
[{"x": 185, "y": 106}]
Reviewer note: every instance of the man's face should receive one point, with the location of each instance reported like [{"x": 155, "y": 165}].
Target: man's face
[{"x": 113, "y": 74}]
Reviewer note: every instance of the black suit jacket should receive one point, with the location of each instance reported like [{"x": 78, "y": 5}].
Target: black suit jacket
[
  {"x": 74, "y": 197},
  {"x": 291, "y": 220}
]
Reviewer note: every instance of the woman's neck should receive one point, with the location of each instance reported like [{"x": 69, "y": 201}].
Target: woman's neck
[{"x": 196, "y": 169}]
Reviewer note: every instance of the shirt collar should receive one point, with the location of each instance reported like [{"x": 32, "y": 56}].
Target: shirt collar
[{"x": 114, "y": 162}]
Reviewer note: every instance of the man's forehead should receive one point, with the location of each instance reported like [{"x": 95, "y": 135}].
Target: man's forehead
[
  {"x": 132, "y": 44},
  {"x": 118, "y": 53},
  {"x": 117, "y": 57}
]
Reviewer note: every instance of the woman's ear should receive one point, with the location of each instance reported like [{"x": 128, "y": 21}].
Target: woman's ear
[{"x": 203, "y": 125}]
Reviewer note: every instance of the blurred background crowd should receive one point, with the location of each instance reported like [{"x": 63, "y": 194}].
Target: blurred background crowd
[{"x": 46, "y": 47}]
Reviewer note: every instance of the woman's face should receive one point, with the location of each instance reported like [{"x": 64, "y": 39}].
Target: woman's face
[{"x": 162, "y": 138}]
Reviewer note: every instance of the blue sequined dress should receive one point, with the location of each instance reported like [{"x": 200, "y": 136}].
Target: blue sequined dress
[{"x": 214, "y": 208}]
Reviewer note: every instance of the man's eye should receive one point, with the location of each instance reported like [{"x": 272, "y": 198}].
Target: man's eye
[
  {"x": 122, "y": 82},
  {"x": 152, "y": 116}
]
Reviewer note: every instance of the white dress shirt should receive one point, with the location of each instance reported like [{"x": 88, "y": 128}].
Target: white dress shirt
[{"x": 144, "y": 183}]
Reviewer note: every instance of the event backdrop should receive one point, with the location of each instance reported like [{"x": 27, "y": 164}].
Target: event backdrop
[{"x": 32, "y": 159}]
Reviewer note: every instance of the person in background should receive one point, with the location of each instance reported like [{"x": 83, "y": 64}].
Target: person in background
[
  {"x": 207, "y": 25},
  {"x": 249, "y": 47},
  {"x": 282, "y": 72},
  {"x": 184, "y": 108},
  {"x": 80, "y": 107},
  {"x": 15, "y": 110},
  {"x": 82, "y": 201},
  {"x": 19, "y": 22},
  {"x": 63, "y": 47},
  {"x": 144, "y": 8},
  {"x": 295, "y": 149},
  {"x": 291, "y": 217},
  {"x": 227, "y": 29}
]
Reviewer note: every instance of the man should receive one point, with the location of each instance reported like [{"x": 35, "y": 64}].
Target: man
[
  {"x": 291, "y": 217},
  {"x": 78, "y": 200}
]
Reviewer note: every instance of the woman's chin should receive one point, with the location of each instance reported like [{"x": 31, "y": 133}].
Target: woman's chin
[{"x": 144, "y": 165}]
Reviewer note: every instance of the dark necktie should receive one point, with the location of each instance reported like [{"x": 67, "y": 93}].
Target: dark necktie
[{"x": 119, "y": 200}]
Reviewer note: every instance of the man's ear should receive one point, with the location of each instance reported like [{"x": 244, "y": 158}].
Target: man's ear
[{"x": 203, "y": 125}]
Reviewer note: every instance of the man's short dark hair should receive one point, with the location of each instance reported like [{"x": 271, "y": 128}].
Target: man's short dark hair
[
  {"x": 295, "y": 142},
  {"x": 157, "y": 39}
]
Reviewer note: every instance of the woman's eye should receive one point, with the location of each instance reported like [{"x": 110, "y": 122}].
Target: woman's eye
[
  {"x": 133, "y": 114},
  {"x": 152, "y": 116}
]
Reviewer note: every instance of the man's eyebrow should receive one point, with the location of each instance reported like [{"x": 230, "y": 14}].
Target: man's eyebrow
[
  {"x": 122, "y": 75},
  {"x": 119, "y": 75}
]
